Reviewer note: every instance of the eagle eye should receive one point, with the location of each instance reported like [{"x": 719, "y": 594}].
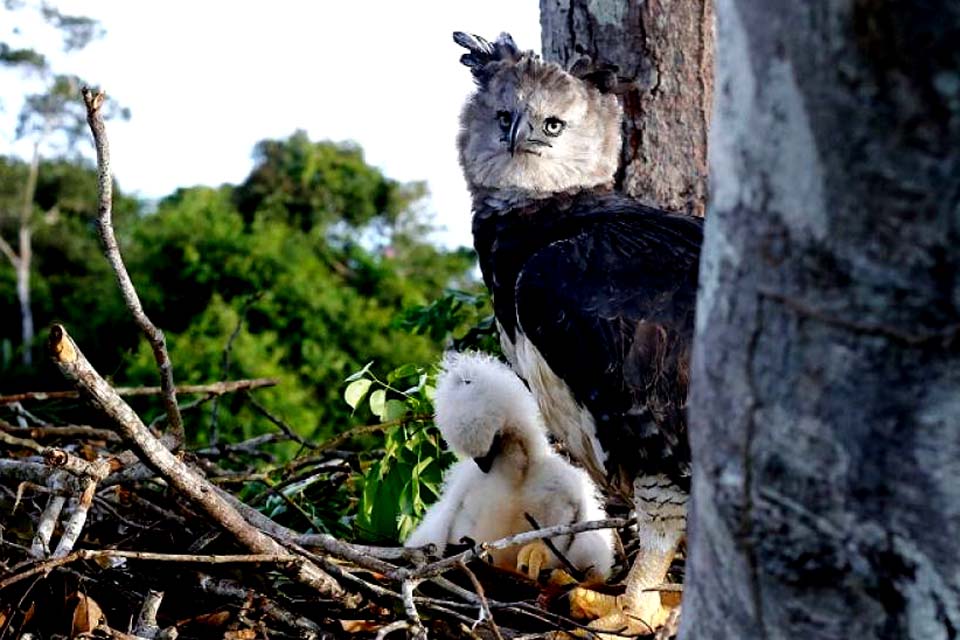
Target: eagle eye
[
  {"x": 553, "y": 126},
  {"x": 504, "y": 119}
]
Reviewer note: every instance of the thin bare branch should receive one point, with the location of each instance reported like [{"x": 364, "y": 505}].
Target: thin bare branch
[
  {"x": 75, "y": 523},
  {"x": 146, "y": 626},
  {"x": 519, "y": 539},
  {"x": 8, "y": 251},
  {"x": 24, "y": 443},
  {"x": 213, "y": 389},
  {"x": 482, "y": 596},
  {"x": 232, "y": 590},
  {"x": 40, "y": 547},
  {"x": 94, "y": 102},
  {"x": 410, "y": 609},
  {"x": 225, "y": 364},
  {"x": 65, "y": 431},
  {"x": 279, "y": 559}
]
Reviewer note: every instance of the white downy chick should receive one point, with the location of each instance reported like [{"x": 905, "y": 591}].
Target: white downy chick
[{"x": 507, "y": 469}]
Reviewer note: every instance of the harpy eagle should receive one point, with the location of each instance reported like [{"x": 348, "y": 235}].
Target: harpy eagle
[
  {"x": 593, "y": 292},
  {"x": 507, "y": 470}
]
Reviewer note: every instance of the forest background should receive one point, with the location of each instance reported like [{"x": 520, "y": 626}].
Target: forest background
[{"x": 313, "y": 268}]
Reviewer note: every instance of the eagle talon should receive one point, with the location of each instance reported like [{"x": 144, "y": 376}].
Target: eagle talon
[{"x": 532, "y": 558}]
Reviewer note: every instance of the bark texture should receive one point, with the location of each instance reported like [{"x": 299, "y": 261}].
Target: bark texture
[
  {"x": 825, "y": 408},
  {"x": 663, "y": 50}
]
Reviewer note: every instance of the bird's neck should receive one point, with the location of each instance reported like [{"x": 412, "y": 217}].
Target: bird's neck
[
  {"x": 492, "y": 201},
  {"x": 518, "y": 453}
]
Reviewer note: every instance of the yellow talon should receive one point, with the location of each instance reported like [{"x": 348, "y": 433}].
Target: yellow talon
[{"x": 532, "y": 558}]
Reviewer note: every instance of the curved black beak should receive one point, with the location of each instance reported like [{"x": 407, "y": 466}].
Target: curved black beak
[
  {"x": 485, "y": 462},
  {"x": 518, "y": 130}
]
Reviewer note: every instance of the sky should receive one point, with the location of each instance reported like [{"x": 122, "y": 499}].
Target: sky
[{"x": 206, "y": 80}]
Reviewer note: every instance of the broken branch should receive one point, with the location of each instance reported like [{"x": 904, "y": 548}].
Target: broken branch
[{"x": 75, "y": 366}]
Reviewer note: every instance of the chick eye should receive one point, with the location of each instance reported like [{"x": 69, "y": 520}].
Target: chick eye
[
  {"x": 553, "y": 126},
  {"x": 504, "y": 119}
]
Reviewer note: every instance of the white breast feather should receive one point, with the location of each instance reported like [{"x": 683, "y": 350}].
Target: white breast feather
[{"x": 572, "y": 423}]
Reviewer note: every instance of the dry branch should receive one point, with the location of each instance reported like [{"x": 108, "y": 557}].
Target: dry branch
[
  {"x": 280, "y": 559},
  {"x": 94, "y": 102},
  {"x": 74, "y": 365},
  {"x": 65, "y": 431},
  {"x": 48, "y": 521},
  {"x": 438, "y": 567},
  {"x": 213, "y": 389}
]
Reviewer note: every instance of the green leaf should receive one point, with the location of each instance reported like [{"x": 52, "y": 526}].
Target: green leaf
[
  {"x": 393, "y": 410},
  {"x": 355, "y": 391},
  {"x": 403, "y": 371},
  {"x": 378, "y": 401}
]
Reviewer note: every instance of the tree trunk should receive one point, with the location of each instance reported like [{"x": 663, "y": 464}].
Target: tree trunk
[
  {"x": 825, "y": 408},
  {"x": 25, "y": 256},
  {"x": 663, "y": 50}
]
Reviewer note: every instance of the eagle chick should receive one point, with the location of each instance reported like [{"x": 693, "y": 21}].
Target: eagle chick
[{"x": 507, "y": 470}]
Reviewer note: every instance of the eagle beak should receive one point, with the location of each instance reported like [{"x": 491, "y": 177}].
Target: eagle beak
[
  {"x": 485, "y": 462},
  {"x": 518, "y": 131}
]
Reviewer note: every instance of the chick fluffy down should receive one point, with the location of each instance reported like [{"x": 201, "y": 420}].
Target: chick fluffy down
[{"x": 477, "y": 398}]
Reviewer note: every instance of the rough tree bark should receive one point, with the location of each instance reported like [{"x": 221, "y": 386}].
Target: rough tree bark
[
  {"x": 825, "y": 410},
  {"x": 663, "y": 50}
]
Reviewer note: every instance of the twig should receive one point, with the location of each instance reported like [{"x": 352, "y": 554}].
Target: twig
[
  {"x": 280, "y": 559},
  {"x": 146, "y": 626},
  {"x": 40, "y": 547},
  {"x": 39, "y": 474},
  {"x": 280, "y": 424},
  {"x": 482, "y": 596},
  {"x": 24, "y": 443},
  {"x": 74, "y": 526},
  {"x": 339, "y": 439},
  {"x": 225, "y": 365},
  {"x": 237, "y": 592},
  {"x": 213, "y": 389},
  {"x": 410, "y": 609},
  {"x": 249, "y": 446},
  {"x": 94, "y": 102},
  {"x": 361, "y": 555},
  {"x": 60, "y": 459},
  {"x": 65, "y": 431},
  {"x": 74, "y": 365},
  {"x": 397, "y": 625},
  {"x": 519, "y": 539}
]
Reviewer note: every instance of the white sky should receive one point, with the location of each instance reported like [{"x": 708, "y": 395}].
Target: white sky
[{"x": 206, "y": 80}]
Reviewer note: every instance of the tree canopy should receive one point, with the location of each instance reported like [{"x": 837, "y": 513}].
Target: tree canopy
[{"x": 310, "y": 261}]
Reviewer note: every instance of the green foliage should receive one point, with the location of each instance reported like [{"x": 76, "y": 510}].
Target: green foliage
[
  {"x": 71, "y": 281},
  {"x": 461, "y": 318},
  {"x": 315, "y": 184},
  {"x": 401, "y": 480},
  {"x": 10, "y": 56}
]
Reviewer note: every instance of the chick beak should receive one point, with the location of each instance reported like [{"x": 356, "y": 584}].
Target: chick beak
[
  {"x": 485, "y": 462},
  {"x": 518, "y": 131}
]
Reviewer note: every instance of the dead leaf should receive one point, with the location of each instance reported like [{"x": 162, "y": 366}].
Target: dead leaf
[
  {"x": 27, "y": 617},
  {"x": 359, "y": 626},
  {"x": 214, "y": 619},
  {"x": 243, "y": 634},
  {"x": 87, "y": 615}
]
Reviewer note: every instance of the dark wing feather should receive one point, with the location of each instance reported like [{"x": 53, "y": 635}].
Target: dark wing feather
[{"x": 610, "y": 307}]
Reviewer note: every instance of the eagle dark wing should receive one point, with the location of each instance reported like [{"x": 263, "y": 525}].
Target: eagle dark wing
[{"x": 610, "y": 309}]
